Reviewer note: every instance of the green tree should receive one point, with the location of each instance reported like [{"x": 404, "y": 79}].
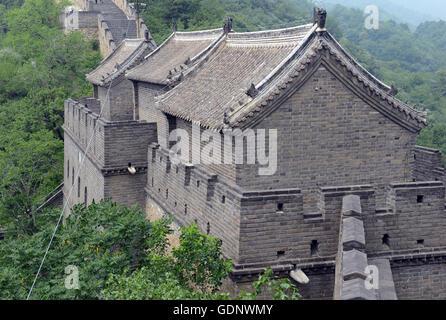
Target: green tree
[
  {"x": 40, "y": 67},
  {"x": 28, "y": 171},
  {"x": 100, "y": 240},
  {"x": 105, "y": 241}
]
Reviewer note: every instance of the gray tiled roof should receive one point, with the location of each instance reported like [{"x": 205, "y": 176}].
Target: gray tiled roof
[
  {"x": 128, "y": 52},
  {"x": 241, "y": 60},
  {"x": 172, "y": 54},
  {"x": 247, "y": 73}
]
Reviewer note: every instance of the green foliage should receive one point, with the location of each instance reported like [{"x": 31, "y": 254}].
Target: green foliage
[
  {"x": 29, "y": 168},
  {"x": 248, "y": 15},
  {"x": 101, "y": 239},
  {"x": 40, "y": 67},
  {"x": 194, "y": 270},
  {"x": 105, "y": 241},
  {"x": 281, "y": 289},
  {"x": 198, "y": 262},
  {"x": 144, "y": 284}
]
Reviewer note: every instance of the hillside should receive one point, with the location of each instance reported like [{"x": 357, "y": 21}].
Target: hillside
[
  {"x": 404, "y": 11},
  {"x": 39, "y": 68}
]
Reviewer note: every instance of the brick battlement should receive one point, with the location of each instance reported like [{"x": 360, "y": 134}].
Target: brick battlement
[
  {"x": 123, "y": 138},
  {"x": 265, "y": 220}
]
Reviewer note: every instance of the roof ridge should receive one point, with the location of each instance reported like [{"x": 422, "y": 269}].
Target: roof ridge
[
  {"x": 269, "y": 33},
  {"x": 107, "y": 58},
  {"x": 128, "y": 62},
  {"x": 184, "y": 35},
  {"x": 151, "y": 54},
  {"x": 135, "y": 54},
  {"x": 379, "y": 86},
  {"x": 215, "y": 39},
  {"x": 273, "y": 92},
  {"x": 356, "y": 63}
]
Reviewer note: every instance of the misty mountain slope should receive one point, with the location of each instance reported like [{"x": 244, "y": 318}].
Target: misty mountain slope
[{"x": 409, "y": 11}]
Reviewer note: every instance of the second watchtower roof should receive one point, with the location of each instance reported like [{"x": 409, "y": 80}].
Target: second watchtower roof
[{"x": 175, "y": 54}]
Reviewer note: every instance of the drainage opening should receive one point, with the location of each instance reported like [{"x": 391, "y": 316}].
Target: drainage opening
[
  {"x": 314, "y": 247},
  {"x": 386, "y": 240}
]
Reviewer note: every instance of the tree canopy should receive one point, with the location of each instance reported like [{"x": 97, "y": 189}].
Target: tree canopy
[{"x": 119, "y": 254}]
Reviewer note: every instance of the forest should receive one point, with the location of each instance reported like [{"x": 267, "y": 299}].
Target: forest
[{"x": 40, "y": 67}]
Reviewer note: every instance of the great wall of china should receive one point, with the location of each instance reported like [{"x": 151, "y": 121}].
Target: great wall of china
[{"x": 108, "y": 21}]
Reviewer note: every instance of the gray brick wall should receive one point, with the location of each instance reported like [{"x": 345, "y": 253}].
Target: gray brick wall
[
  {"x": 417, "y": 213},
  {"x": 190, "y": 194},
  {"x": 145, "y": 98},
  {"x": 424, "y": 281},
  {"x": 330, "y": 137},
  {"x": 118, "y": 105},
  {"x": 226, "y": 171},
  {"x": 428, "y": 164},
  {"x": 113, "y": 147},
  {"x": 90, "y": 176}
]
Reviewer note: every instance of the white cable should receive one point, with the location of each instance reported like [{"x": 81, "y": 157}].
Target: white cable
[{"x": 69, "y": 195}]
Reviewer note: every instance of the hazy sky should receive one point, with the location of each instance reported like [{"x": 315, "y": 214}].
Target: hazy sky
[
  {"x": 414, "y": 11},
  {"x": 435, "y": 8}
]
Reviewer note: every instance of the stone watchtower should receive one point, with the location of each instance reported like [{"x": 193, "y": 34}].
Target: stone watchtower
[
  {"x": 116, "y": 162},
  {"x": 350, "y": 189}
]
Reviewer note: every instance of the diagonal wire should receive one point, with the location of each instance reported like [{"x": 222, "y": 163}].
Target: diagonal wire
[{"x": 69, "y": 194}]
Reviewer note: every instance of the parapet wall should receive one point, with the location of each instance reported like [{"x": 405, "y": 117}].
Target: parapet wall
[
  {"x": 106, "y": 42},
  {"x": 114, "y": 144},
  {"x": 416, "y": 218},
  {"x": 89, "y": 20},
  {"x": 190, "y": 194},
  {"x": 84, "y": 21},
  {"x": 130, "y": 12},
  {"x": 270, "y": 227},
  {"x": 113, "y": 148},
  {"x": 420, "y": 276},
  {"x": 428, "y": 165}
]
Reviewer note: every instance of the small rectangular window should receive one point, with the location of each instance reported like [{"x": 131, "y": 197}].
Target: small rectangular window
[{"x": 314, "y": 247}]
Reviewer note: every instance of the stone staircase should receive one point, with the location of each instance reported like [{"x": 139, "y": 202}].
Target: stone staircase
[
  {"x": 352, "y": 262},
  {"x": 117, "y": 21}
]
